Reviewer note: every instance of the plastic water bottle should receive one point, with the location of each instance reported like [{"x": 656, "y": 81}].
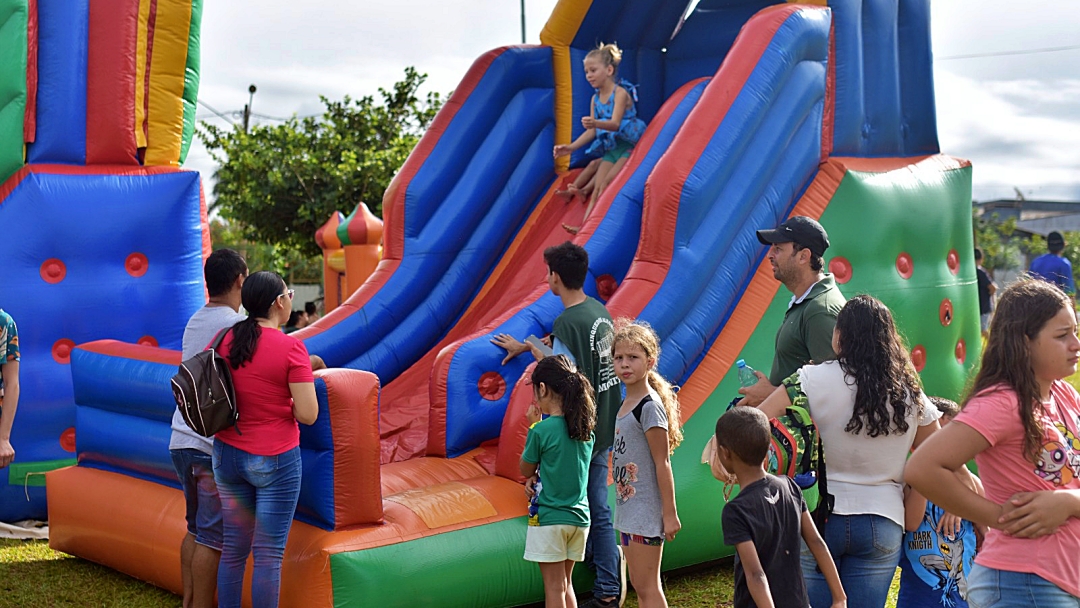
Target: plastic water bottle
[{"x": 747, "y": 377}]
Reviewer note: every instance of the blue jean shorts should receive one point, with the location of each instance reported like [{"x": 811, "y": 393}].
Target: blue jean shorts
[{"x": 203, "y": 506}]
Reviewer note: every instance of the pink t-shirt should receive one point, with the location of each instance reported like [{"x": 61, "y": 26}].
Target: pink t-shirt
[
  {"x": 1005, "y": 471},
  {"x": 263, "y": 399}
]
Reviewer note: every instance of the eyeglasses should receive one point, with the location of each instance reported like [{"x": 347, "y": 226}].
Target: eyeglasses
[{"x": 288, "y": 293}]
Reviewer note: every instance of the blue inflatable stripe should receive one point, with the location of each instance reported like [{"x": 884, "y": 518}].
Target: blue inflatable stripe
[
  {"x": 462, "y": 209},
  {"x": 63, "y": 41},
  {"x": 763, "y": 154},
  {"x": 121, "y": 385},
  {"x": 884, "y": 93},
  {"x": 471, "y": 419},
  {"x": 124, "y": 443},
  {"x": 316, "y": 505}
]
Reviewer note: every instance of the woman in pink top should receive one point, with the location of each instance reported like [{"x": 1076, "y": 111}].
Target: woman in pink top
[
  {"x": 257, "y": 462},
  {"x": 1022, "y": 426}
]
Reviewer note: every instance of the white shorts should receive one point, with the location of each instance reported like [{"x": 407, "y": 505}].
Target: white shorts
[{"x": 556, "y": 543}]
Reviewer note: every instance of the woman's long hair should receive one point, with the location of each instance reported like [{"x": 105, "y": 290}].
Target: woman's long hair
[
  {"x": 642, "y": 334},
  {"x": 258, "y": 294},
  {"x": 873, "y": 355},
  {"x": 1023, "y": 309},
  {"x": 562, "y": 378}
]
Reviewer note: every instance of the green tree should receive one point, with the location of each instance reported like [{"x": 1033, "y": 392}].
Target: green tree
[
  {"x": 289, "y": 263},
  {"x": 278, "y": 183}
]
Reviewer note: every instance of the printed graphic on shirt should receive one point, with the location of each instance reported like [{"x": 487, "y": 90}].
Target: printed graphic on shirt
[
  {"x": 602, "y": 347},
  {"x": 1059, "y": 462},
  {"x": 623, "y": 475},
  {"x": 534, "y": 503},
  {"x": 942, "y": 562}
]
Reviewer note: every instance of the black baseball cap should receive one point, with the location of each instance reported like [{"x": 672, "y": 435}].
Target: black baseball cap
[
  {"x": 798, "y": 229},
  {"x": 1055, "y": 242}
]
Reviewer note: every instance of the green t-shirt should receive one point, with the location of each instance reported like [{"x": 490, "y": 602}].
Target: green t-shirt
[
  {"x": 806, "y": 333},
  {"x": 564, "y": 473},
  {"x": 587, "y": 331}
]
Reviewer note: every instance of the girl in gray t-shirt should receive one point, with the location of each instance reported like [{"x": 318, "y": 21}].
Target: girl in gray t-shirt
[{"x": 647, "y": 429}]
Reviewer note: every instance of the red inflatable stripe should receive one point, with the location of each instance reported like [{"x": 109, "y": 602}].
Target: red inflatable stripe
[{"x": 110, "y": 83}]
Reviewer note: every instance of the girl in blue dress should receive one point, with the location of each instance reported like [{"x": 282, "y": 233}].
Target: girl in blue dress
[{"x": 612, "y": 127}]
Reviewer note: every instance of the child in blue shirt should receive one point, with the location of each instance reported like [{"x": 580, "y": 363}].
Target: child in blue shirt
[{"x": 939, "y": 548}]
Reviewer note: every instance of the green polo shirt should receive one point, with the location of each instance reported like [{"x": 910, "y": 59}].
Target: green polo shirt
[{"x": 806, "y": 333}]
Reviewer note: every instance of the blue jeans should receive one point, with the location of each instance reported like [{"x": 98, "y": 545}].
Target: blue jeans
[
  {"x": 258, "y": 500},
  {"x": 988, "y": 588},
  {"x": 866, "y": 549},
  {"x": 195, "y": 470},
  {"x": 601, "y": 549}
]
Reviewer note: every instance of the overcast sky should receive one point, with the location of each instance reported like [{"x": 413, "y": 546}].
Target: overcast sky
[{"x": 1015, "y": 116}]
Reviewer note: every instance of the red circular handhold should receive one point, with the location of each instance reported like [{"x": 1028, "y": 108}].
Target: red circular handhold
[
  {"x": 841, "y": 269},
  {"x": 918, "y": 358},
  {"x": 67, "y": 439},
  {"x": 148, "y": 341},
  {"x": 945, "y": 312},
  {"x": 904, "y": 265},
  {"x": 953, "y": 260},
  {"x": 606, "y": 286},
  {"x": 961, "y": 351},
  {"x": 491, "y": 386},
  {"x": 53, "y": 270},
  {"x": 61, "y": 351},
  {"x": 136, "y": 264}
]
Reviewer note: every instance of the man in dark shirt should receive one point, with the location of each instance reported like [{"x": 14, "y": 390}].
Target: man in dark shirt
[
  {"x": 987, "y": 287},
  {"x": 765, "y": 521}
]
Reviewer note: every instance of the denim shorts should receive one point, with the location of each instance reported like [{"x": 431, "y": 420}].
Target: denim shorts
[
  {"x": 990, "y": 588},
  {"x": 203, "y": 506}
]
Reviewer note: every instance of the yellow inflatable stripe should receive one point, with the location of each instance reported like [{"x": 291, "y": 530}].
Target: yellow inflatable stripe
[
  {"x": 558, "y": 33},
  {"x": 168, "y": 62},
  {"x": 140, "y": 73}
]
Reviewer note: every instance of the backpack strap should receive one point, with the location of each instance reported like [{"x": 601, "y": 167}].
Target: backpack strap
[{"x": 216, "y": 344}]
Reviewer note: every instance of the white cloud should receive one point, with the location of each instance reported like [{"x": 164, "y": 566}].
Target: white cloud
[{"x": 1014, "y": 116}]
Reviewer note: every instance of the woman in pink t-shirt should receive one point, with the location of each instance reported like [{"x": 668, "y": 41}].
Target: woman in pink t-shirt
[
  {"x": 1022, "y": 426},
  {"x": 257, "y": 462}
]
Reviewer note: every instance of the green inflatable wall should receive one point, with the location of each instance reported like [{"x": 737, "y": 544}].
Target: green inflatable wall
[{"x": 13, "y": 50}]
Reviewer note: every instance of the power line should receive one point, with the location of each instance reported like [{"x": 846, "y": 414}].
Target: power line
[
  {"x": 1050, "y": 49},
  {"x": 219, "y": 114}
]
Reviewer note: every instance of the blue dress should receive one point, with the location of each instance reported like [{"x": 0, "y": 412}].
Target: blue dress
[{"x": 630, "y": 129}]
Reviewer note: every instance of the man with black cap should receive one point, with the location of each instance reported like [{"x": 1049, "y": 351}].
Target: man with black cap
[
  {"x": 1054, "y": 267},
  {"x": 795, "y": 252}
]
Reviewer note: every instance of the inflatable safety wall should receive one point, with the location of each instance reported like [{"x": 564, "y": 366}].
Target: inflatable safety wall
[
  {"x": 104, "y": 234},
  {"x": 757, "y": 111}
]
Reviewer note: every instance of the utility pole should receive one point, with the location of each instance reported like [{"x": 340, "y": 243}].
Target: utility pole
[
  {"x": 251, "y": 99},
  {"x": 522, "y": 21}
]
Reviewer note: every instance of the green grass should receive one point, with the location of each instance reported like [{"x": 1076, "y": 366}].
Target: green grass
[{"x": 32, "y": 575}]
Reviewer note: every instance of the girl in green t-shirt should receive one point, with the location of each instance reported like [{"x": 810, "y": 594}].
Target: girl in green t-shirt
[{"x": 559, "y": 448}]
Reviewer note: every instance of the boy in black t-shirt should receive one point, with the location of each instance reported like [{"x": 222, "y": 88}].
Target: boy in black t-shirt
[{"x": 765, "y": 520}]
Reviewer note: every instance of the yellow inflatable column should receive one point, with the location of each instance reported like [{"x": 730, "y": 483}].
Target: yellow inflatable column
[
  {"x": 558, "y": 33},
  {"x": 168, "y": 49}
]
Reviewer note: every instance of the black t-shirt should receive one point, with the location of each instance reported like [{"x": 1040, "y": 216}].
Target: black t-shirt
[
  {"x": 984, "y": 290},
  {"x": 769, "y": 513}
]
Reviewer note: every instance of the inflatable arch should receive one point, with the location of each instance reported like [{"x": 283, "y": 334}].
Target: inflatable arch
[{"x": 757, "y": 111}]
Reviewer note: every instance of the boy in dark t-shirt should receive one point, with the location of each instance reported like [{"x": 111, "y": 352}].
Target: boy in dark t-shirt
[{"x": 766, "y": 519}]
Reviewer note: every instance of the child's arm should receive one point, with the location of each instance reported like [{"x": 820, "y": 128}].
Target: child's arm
[
  {"x": 665, "y": 481},
  {"x": 914, "y": 508},
  {"x": 528, "y": 469},
  {"x": 824, "y": 559},
  {"x": 622, "y": 99},
  {"x": 756, "y": 581},
  {"x": 584, "y": 139}
]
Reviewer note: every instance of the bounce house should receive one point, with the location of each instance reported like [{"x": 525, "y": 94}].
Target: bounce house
[
  {"x": 757, "y": 110},
  {"x": 350, "y": 247},
  {"x": 104, "y": 233}
]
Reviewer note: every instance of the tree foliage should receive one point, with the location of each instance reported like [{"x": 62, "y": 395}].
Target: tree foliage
[
  {"x": 278, "y": 183},
  {"x": 1004, "y": 248}
]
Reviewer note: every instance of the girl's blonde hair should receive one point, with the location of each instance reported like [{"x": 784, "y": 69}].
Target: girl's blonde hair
[
  {"x": 608, "y": 54},
  {"x": 641, "y": 334}
]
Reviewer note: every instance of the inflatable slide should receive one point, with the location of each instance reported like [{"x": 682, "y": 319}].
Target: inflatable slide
[{"x": 411, "y": 496}]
